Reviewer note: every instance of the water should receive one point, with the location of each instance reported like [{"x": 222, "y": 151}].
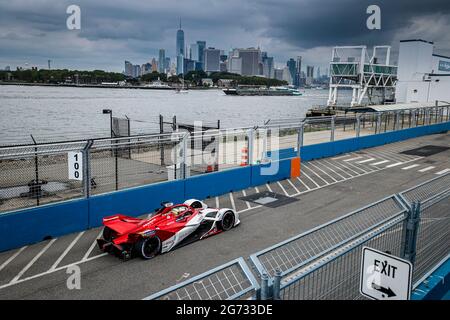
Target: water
[{"x": 57, "y": 113}]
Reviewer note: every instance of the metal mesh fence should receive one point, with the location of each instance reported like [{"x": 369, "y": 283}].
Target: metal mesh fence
[
  {"x": 31, "y": 176},
  {"x": 287, "y": 257},
  {"x": 428, "y": 190},
  {"x": 336, "y": 276},
  {"x": 121, "y": 164},
  {"x": 433, "y": 238},
  {"x": 226, "y": 282}
]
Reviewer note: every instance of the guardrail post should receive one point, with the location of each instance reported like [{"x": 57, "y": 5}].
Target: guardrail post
[
  {"x": 413, "y": 118},
  {"x": 184, "y": 147},
  {"x": 396, "y": 123},
  {"x": 265, "y": 290},
  {"x": 410, "y": 235},
  {"x": 378, "y": 128},
  {"x": 87, "y": 169},
  {"x": 277, "y": 285},
  {"x": 333, "y": 127},
  {"x": 300, "y": 133},
  {"x": 358, "y": 125},
  {"x": 250, "y": 136}
]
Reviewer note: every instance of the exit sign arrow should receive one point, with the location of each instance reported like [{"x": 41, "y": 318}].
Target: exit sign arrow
[{"x": 387, "y": 291}]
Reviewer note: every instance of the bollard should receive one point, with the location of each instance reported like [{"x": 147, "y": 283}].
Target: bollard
[
  {"x": 277, "y": 285},
  {"x": 265, "y": 294}
]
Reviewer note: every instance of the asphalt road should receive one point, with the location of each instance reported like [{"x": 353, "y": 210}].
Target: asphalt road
[{"x": 328, "y": 188}]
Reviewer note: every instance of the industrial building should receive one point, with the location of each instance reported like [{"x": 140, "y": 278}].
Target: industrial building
[{"x": 423, "y": 76}]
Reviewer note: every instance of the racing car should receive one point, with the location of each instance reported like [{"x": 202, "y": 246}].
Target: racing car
[{"x": 170, "y": 227}]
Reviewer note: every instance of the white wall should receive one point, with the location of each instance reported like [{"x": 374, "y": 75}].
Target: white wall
[{"x": 416, "y": 62}]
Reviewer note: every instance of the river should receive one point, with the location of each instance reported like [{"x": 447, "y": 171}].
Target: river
[{"x": 63, "y": 113}]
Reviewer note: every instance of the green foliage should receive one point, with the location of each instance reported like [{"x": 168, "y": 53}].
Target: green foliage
[
  {"x": 149, "y": 77},
  {"x": 63, "y": 75}
]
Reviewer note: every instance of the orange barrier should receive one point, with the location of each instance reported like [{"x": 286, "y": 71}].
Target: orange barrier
[{"x": 295, "y": 167}]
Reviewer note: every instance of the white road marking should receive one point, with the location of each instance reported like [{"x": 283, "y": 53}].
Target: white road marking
[
  {"x": 318, "y": 186},
  {"x": 4, "y": 264},
  {"x": 395, "y": 164},
  {"x": 378, "y": 163},
  {"x": 233, "y": 205},
  {"x": 357, "y": 158},
  {"x": 410, "y": 167},
  {"x": 341, "y": 157},
  {"x": 293, "y": 185},
  {"x": 308, "y": 188},
  {"x": 86, "y": 255},
  {"x": 282, "y": 188},
  {"x": 337, "y": 173},
  {"x": 48, "y": 272},
  {"x": 28, "y": 266},
  {"x": 217, "y": 203},
  {"x": 245, "y": 194},
  {"x": 323, "y": 172},
  {"x": 338, "y": 165},
  {"x": 443, "y": 171},
  {"x": 61, "y": 257},
  {"x": 304, "y": 166},
  {"x": 365, "y": 161},
  {"x": 427, "y": 169},
  {"x": 268, "y": 187}
]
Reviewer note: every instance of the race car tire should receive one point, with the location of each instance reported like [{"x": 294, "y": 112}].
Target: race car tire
[
  {"x": 148, "y": 248},
  {"x": 227, "y": 221},
  {"x": 108, "y": 234}
]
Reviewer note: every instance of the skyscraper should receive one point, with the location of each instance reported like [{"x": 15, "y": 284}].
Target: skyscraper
[
  {"x": 298, "y": 72},
  {"x": 154, "y": 65},
  {"x": 193, "y": 52},
  {"x": 212, "y": 60},
  {"x": 180, "y": 50},
  {"x": 251, "y": 59},
  {"x": 180, "y": 41},
  {"x": 267, "y": 63},
  {"x": 309, "y": 75},
  {"x": 291, "y": 67},
  {"x": 201, "y": 45},
  {"x": 162, "y": 61},
  {"x": 128, "y": 69}
]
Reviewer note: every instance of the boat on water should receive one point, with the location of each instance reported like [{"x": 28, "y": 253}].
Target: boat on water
[{"x": 276, "y": 91}]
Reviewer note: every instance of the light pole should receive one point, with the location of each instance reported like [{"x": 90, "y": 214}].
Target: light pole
[{"x": 109, "y": 111}]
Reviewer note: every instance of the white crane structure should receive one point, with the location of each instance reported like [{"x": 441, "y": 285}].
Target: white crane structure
[{"x": 369, "y": 77}]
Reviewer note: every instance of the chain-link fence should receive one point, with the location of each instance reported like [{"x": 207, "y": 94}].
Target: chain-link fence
[
  {"x": 230, "y": 281},
  {"x": 325, "y": 263},
  {"x": 305, "y": 248},
  {"x": 37, "y": 174}
]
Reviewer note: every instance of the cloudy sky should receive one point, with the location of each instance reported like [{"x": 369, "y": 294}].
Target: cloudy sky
[{"x": 33, "y": 31}]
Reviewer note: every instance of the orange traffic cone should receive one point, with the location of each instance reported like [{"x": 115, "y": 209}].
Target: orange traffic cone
[{"x": 244, "y": 157}]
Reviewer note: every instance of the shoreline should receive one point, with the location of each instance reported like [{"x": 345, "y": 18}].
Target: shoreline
[{"x": 29, "y": 84}]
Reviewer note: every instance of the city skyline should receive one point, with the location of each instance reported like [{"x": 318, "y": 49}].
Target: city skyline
[{"x": 112, "y": 32}]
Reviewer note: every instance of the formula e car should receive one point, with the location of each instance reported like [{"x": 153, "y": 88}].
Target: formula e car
[{"x": 170, "y": 227}]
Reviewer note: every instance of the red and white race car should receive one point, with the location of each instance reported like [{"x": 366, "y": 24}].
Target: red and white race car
[{"x": 172, "y": 226}]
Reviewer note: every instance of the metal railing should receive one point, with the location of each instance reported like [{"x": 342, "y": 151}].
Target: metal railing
[
  {"x": 33, "y": 175},
  {"x": 325, "y": 262},
  {"x": 230, "y": 281},
  {"x": 418, "y": 232}
]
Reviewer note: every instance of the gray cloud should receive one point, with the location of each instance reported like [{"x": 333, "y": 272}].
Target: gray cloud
[{"x": 34, "y": 30}]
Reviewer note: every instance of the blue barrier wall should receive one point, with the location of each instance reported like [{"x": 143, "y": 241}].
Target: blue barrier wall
[
  {"x": 32, "y": 225},
  {"x": 436, "y": 286},
  {"x": 217, "y": 183},
  {"x": 329, "y": 149},
  {"x": 274, "y": 171}
]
